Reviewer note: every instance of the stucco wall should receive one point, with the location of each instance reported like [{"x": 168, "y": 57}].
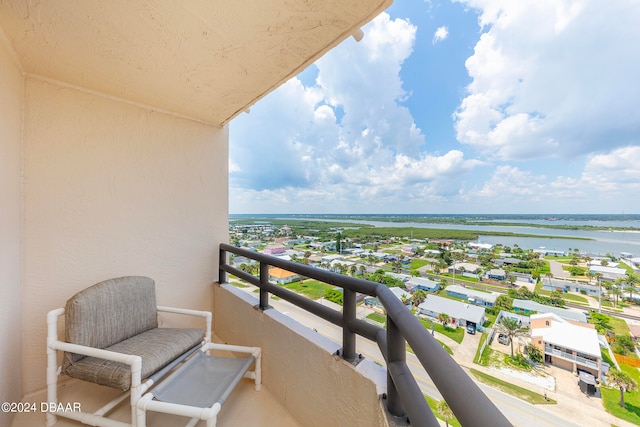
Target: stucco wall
[
  {"x": 112, "y": 189},
  {"x": 298, "y": 365},
  {"x": 11, "y": 98}
]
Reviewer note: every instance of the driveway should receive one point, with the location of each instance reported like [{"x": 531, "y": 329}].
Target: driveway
[{"x": 556, "y": 269}]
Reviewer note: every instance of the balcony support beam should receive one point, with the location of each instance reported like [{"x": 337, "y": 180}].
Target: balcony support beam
[
  {"x": 396, "y": 354},
  {"x": 349, "y": 316}
]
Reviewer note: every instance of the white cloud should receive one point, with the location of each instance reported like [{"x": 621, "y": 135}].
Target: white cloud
[
  {"x": 617, "y": 172},
  {"x": 345, "y": 140},
  {"x": 440, "y": 35},
  {"x": 552, "y": 78}
]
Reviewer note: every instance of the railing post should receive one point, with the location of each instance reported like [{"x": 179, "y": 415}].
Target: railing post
[
  {"x": 348, "y": 314},
  {"x": 396, "y": 352},
  {"x": 222, "y": 260},
  {"x": 264, "y": 279}
]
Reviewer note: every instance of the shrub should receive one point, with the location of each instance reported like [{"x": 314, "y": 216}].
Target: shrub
[
  {"x": 333, "y": 295},
  {"x": 534, "y": 353}
]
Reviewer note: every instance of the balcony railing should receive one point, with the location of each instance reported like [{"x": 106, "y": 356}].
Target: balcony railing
[
  {"x": 403, "y": 398},
  {"x": 548, "y": 349}
]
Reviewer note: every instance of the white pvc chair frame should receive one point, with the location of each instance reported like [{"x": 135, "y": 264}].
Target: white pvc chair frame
[
  {"x": 209, "y": 415},
  {"x": 137, "y": 389}
]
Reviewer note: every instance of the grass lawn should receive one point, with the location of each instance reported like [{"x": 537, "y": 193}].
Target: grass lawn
[
  {"x": 433, "y": 404},
  {"x": 377, "y": 317},
  {"x": 611, "y": 399},
  {"x": 514, "y": 390},
  {"x": 455, "y": 334},
  {"x": 416, "y": 263},
  {"x": 483, "y": 339},
  {"x": 619, "y": 326},
  {"x": 312, "y": 289}
]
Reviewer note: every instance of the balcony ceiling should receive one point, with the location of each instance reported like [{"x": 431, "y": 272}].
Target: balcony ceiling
[{"x": 203, "y": 59}]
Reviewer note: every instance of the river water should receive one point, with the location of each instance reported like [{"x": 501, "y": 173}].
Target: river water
[{"x": 602, "y": 243}]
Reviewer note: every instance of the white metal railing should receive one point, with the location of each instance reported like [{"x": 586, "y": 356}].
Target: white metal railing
[{"x": 548, "y": 349}]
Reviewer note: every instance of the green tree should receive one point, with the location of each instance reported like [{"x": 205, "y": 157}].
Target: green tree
[
  {"x": 444, "y": 319},
  {"x": 504, "y": 302},
  {"x": 632, "y": 282},
  {"x": 417, "y": 297},
  {"x": 511, "y": 328},
  {"x": 623, "y": 345},
  {"x": 535, "y": 354},
  {"x": 622, "y": 381},
  {"x": 444, "y": 411}
]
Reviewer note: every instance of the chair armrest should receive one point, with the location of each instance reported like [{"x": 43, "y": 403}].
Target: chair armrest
[
  {"x": 207, "y": 315},
  {"x": 128, "y": 359}
]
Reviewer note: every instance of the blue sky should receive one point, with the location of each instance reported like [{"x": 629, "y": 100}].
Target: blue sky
[{"x": 467, "y": 106}]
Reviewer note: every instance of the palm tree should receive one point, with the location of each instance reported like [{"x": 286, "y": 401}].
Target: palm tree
[
  {"x": 444, "y": 319},
  {"x": 444, "y": 411},
  {"x": 511, "y": 328},
  {"x": 632, "y": 280},
  {"x": 622, "y": 381},
  {"x": 417, "y": 297}
]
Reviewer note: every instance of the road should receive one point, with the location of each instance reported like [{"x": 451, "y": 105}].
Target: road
[{"x": 520, "y": 413}]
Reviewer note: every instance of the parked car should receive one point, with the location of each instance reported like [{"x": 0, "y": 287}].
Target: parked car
[
  {"x": 503, "y": 339},
  {"x": 471, "y": 329}
]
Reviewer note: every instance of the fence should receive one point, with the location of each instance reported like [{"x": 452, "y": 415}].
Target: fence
[{"x": 627, "y": 360}]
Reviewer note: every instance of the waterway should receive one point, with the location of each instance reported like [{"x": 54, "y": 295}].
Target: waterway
[{"x": 601, "y": 243}]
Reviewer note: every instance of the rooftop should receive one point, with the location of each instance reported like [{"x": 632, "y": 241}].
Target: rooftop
[
  {"x": 564, "y": 313},
  {"x": 486, "y": 296},
  {"x": 567, "y": 335},
  {"x": 455, "y": 309}
]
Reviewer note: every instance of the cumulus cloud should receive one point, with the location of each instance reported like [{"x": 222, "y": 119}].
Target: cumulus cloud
[
  {"x": 440, "y": 35},
  {"x": 616, "y": 172},
  {"x": 551, "y": 78},
  {"x": 344, "y": 139}
]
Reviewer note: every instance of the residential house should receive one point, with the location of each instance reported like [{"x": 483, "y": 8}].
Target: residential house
[
  {"x": 239, "y": 260},
  {"x": 422, "y": 283},
  {"x": 608, "y": 273},
  {"x": 274, "y": 250},
  {"x": 460, "y": 313},
  {"x": 570, "y": 345},
  {"x": 401, "y": 294},
  {"x": 281, "y": 276},
  {"x": 531, "y": 307},
  {"x": 464, "y": 268},
  {"x": 331, "y": 258},
  {"x": 502, "y": 262},
  {"x": 399, "y": 276},
  {"x": 551, "y": 284},
  {"x": 497, "y": 274},
  {"x": 478, "y": 245},
  {"x": 484, "y": 299}
]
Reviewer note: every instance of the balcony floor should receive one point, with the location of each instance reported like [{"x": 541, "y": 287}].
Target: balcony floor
[{"x": 245, "y": 407}]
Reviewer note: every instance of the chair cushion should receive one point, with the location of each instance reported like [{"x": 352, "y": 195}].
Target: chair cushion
[
  {"x": 157, "y": 347},
  {"x": 110, "y": 312}
]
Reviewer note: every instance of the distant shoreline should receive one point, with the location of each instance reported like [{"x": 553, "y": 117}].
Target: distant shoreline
[{"x": 481, "y": 220}]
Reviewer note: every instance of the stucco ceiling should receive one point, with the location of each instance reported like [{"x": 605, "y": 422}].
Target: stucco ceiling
[{"x": 204, "y": 59}]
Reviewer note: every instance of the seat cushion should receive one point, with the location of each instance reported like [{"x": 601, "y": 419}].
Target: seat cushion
[
  {"x": 158, "y": 347},
  {"x": 110, "y": 312}
]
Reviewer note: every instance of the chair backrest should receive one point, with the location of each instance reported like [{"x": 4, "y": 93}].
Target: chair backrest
[{"x": 110, "y": 312}]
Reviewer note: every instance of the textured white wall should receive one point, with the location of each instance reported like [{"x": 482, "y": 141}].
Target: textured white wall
[
  {"x": 298, "y": 366},
  {"x": 112, "y": 189},
  {"x": 11, "y": 97}
]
